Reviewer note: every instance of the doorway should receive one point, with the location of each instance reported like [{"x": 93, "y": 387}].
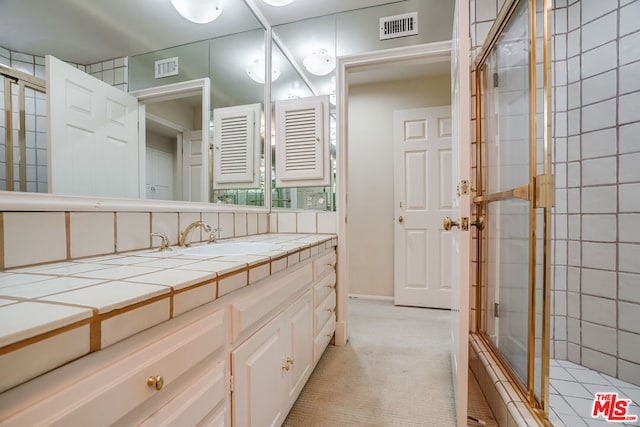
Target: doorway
[{"x": 371, "y": 153}]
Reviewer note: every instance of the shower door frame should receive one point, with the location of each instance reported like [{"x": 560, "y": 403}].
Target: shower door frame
[
  {"x": 539, "y": 192},
  {"x": 23, "y": 81}
]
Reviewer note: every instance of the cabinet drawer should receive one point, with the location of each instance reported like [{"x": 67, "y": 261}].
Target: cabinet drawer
[
  {"x": 324, "y": 287},
  {"x": 266, "y": 297},
  {"x": 323, "y": 339},
  {"x": 323, "y": 264},
  {"x": 101, "y": 393},
  {"x": 194, "y": 404},
  {"x": 324, "y": 311}
]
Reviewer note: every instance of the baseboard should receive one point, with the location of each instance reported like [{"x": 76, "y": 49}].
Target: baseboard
[{"x": 371, "y": 297}]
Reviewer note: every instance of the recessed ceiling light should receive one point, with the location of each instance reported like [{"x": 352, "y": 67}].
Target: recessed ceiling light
[
  {"x": 198, "y": 11},
  {"x": 278, "y": 3}
]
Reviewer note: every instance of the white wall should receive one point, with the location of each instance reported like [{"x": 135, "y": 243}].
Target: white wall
[{"x": 370, "y": 192}]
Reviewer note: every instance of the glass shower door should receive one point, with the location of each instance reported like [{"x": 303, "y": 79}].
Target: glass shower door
[{"x": 514, "y": 184}]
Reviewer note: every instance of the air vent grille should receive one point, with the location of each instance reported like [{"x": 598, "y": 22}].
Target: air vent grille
[
  {"x": 166, "y": 67},
  {"x": 392, "y": 27}
]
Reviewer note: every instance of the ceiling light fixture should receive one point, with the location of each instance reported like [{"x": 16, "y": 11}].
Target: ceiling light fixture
[
  {"x": 278, "y": 3},
  {"x": 319, "y": 63},
  {"x": 257, "y": 69},
  {"x": 198, "y": 11}
]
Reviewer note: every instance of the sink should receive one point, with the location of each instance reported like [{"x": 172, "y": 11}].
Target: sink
[{"x": 231, "y": 248}]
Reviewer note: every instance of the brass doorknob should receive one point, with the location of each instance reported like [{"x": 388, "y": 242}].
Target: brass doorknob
[
  {"x": 156, "y": 382},
  {"x": 448, "y": 223},
  {"x": 401, "y": 219}
]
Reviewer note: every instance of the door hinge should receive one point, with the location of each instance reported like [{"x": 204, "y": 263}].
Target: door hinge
[
  {"x": 231, "y": 387},
  {"x": 496, "y": 309},
  {"x": 545, "y": 191},
  {"x": 495, "y": 80}
]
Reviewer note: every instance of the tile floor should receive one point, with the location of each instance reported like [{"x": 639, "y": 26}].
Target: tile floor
[{"x": 572, "y": 389}]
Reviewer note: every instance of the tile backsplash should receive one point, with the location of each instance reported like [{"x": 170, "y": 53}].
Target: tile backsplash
[{"x": 29, "y": 238}]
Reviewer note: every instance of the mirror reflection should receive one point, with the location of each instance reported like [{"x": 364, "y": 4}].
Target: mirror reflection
[
  {"x": 175, "y": 125},
  {"x": 292, "y": 93},
  {"x": 309, "y": 64}
]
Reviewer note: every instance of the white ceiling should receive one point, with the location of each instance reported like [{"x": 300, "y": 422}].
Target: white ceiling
[{"x": 89, "y": 31}]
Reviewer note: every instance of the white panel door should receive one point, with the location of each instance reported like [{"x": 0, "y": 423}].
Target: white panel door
[
  {"x": 160, "y": 174},
  {"x": 299, "y": 324},
  {"x": 93, "y": 135},
  {"x": 460, "y": 252},
  {"x": 423, "y": 196},
  {"x": 192, "y": 166},
  {"x": 259, "y": 379}
]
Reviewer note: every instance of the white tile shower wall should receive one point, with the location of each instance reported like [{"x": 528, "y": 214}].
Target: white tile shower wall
[
  {"x": 597, "y": 63},
  {"x": 28, "y": 238}
]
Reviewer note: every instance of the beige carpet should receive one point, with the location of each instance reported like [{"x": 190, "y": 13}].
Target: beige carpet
[{"x": 395, "y": 371}]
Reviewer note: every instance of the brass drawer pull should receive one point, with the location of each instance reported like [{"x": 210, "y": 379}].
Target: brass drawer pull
[
  {"x": 156, "y": 382},
  {"x": 330, "y": 310}
]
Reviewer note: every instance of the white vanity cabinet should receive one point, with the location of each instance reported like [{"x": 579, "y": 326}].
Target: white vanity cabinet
[
  {"x": 132, "y": 381},
  {"x": 241, "y": 360},
  {"x": 270, "y": 367}
]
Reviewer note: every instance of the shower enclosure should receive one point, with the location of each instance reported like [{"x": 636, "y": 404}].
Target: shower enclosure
[
  {"x": 558, "y": 186},
  {"x": 515, "y": 195}
]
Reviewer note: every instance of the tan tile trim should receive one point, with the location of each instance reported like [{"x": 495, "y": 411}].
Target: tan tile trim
[
  {"x": 95, "y": 335},
  {"x": 234, "y": 272},
  {"x": 67, "y": 226},
  {"x": 35, "y": 339}
]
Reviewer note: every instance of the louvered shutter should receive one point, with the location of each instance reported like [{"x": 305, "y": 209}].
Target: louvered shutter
[
  {"x": 302, "y": 142},
  {"x": 236, "y": 143}
]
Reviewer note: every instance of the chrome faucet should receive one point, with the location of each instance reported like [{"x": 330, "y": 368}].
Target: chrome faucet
[
  {"x": 214, "y": 235},
  {"x": 185, "y": 234},
  {"x": 164, "y": 242}
]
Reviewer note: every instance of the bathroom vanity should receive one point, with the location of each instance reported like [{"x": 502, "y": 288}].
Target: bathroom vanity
[{"x": 223, "y": 341}]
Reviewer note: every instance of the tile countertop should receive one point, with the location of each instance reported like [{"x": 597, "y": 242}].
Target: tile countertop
[{"x": 42, "y": 301}]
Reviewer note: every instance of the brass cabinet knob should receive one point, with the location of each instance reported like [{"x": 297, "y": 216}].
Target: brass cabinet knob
[
  {"x": 401, "y": 219},
  {"x": 156, "y": 382},
  {"x": 290, "y": 360},
  {"x": 286, "y": 366},
  {"x": 330, "y": 310},
  {"x": 448, "y": 223}
]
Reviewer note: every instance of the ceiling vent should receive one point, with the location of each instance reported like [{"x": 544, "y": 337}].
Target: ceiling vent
[
  {"x": 166, "y": 67},
  {"x": 393, "y": 27}
]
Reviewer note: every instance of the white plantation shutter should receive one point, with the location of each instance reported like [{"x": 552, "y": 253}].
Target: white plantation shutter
[
  {"x": 236, "y": 143},
  {"x": 302, "y": 143}
]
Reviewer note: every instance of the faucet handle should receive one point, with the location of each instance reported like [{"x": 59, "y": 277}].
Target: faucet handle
[
  {"x": 214, "y": 235},
  {"x": 164, "y": 242}
]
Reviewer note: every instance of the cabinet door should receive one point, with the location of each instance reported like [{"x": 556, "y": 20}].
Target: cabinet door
[
  {"x": 299, "y": 323},
  {"x": 259, "y": 376}
]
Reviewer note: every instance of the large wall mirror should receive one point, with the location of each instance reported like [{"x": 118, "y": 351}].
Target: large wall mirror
[
  {"x": 234, "y": 155},
  {"x": 174, "y": 163}
]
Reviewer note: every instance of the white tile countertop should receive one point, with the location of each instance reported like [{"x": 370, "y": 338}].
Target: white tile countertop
[{"x": 43, "y": 303}]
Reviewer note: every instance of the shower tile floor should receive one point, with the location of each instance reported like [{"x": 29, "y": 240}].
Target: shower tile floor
[{"x": 572, "y": 389}]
